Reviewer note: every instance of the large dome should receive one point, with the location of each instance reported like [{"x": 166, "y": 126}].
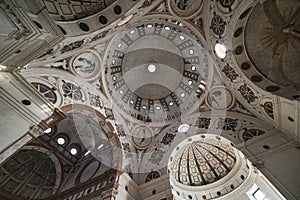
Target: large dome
[
  {"x": 206, "y": 166},
  {"x": 154, "y": 68}
]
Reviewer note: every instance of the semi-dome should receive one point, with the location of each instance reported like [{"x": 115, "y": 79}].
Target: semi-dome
[
  {"x": 206, "y": 166},
  {"x": 30, "y": 174}
]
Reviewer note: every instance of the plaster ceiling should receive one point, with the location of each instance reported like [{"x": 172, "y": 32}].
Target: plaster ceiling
[
  {"x": 148, "y": 76},
  {"x": 275, "y": 54}
]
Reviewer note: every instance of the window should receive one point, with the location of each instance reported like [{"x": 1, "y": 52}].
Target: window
[
  {"x": 61, "y": 141},
  {"x": 255, "y": 193},
  {"x": 259, "y": 195},
  {"x": 73, "y": 151},
  {"x": 152, "y": 175}
]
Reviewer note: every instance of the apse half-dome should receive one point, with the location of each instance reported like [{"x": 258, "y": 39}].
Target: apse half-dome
[
  {"x": 30, "y": 174},
  {"x": 206, "y": 166}
]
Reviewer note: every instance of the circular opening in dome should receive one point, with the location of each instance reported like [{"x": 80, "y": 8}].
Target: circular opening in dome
[
  {"x": 220, "y": 50},
  {"x": 61, "y": 141},
  {"x": 114, "y": 78},
  {"x": 242, "y": 177},
  {"x": 183, "y": 128},
  {"x": 100, "y": 146},
  {"x": 167, "y": 28},
  {"x": 190, "y": 197},
  {"x": 117, "y": 9},
  {"x": 131, "y": 101},
  {"x": 272, "y": 88},
  {"x": 119, "y": 45},
  {"x": 238, "y": 32},
  {"x": 245, "y": 66},
  {"x": 121, "y": 91},
  {"x": 193, "y": 68},
  {"x": 190, "y": 82},
  {"x": 256, "y": 78},
  {"x": 102, "y": 19},
  {"x": 151, "y": 68},
  {"x": 84, "y": 27},
  {"x": 182, "y": 94},
  {"x": 291, "y": 119},
  {"x": 219, "y": 193},
  {"x": 48, "y": 130},
  {"x": 73, "y": 151},
  {"x": 181, "y": 37},
  {"x": 144, "y": 107},
  {"x": 153, "y": 192},
  {"x": 171, "y": 103},
  {"x": 132, "y": 32},
  {"x": 87, "y": 153},
  {"x": 191, "y": 51},
  {"x": 157, "y": 107},
  {"x": 149, "y": 25},
  {"x": 238, "y": 50},
  {"x": 26, "y": 102},
  {"x": 245, "y": 13}
]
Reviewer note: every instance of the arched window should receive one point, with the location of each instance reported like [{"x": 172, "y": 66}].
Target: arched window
[{"x": 152, "y": 175}]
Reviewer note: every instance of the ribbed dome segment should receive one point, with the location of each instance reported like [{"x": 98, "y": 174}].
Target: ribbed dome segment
[{"x": 202, "y": 162}]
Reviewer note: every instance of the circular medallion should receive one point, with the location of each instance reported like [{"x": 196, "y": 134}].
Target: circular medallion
[
  {"x": 152, "y": 71},
  {"x": 86, "y": 65},
  {"x": 142, "y": 136},
  {"x": 185, "y": 8},
  {"x": 217, "y": 25},
  {"x": 219, "y": 98},
  {"x": 227, "y": 124},
  {"x": 72, "y": 91},
  {"x": 157, "y": 156},
  {"x": 247, "y": 93},
  {"x": 230, "y": 73}
]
